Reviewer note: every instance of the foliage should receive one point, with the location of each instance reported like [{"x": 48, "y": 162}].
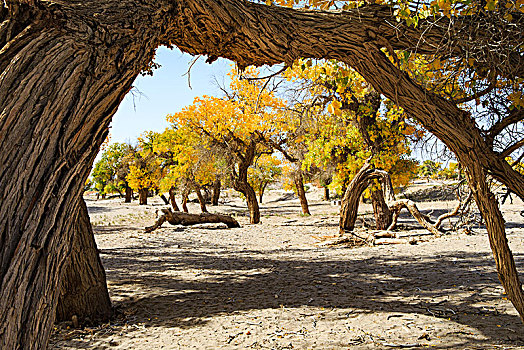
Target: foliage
[
  {"x": 350, "y": 124},
  {"x": 240, "y": 126},
  {"x": 109, "y": 173},
  {"x": 144, "y": 170},
  {"x": 429, "y": 169},
  {"x": 265, "y": 171},
  {"x": 451, "y": 172}
]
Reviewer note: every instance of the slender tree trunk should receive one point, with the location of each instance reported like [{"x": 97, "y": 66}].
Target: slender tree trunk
[
  {"x": 83, "y": 291},
  {"x": 326, "y": 193},
  {"x": 173, "y": 199},
  {"x": 216, "y": 192},
  {"x": 164, "y": 199},
  {"x": 185, "y": 197},
  {"x": 261, "y": 193},
  {"x": 201, "y": 199},
  {"x": 383, "y": 216},
  {"x": 301, "y": 192},
  {"x": 142, "y": 196},
  {"x": 129, "y": 194}
]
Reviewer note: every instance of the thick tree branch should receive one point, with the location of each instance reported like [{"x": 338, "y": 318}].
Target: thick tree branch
[
  {"x": 257, "y": 34},
  {"x": 507, "y": 152},
  {"x": 515, "y": 116}
]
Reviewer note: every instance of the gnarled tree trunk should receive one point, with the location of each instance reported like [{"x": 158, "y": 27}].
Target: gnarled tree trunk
[
  {"x": 383, "y": 215},
  {"x": 298, "y": 178},
  {"x": 178, "y": 218},
  {"x": 83, "y": 292},
  {"x": 489, "y": 208},
  {"x": 351, "y": 198},
  {"x": 251, "y": 199},
  {"x": 61, "y": 81}
]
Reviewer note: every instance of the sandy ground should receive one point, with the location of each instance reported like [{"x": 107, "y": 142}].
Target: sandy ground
[{"x": 270, "y": 286}]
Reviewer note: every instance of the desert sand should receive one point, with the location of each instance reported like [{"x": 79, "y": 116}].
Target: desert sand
[{"x": 271, "y": 286}]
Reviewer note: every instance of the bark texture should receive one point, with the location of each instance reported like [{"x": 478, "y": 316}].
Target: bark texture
[
  {"x": 301, "y": 192},
  {"x": 172, "y": 199},
  {"x": 216, "y": 192},
  {"x": 63, "y": 73},
  {"x": 383, "y": 216},
  {"x": 353, "y": 193},
  {"x": 83, "y": 292},
  {"x": 178, "y": 218},
  {"x": 251, "y": 199},
  {"x": 129, "y": 194}
]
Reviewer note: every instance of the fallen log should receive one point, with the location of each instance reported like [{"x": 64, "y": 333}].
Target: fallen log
[{"x": 186, "y": 219}]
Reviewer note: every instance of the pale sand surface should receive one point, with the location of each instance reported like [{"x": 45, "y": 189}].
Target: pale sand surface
[{"x": 269, "y": 286}]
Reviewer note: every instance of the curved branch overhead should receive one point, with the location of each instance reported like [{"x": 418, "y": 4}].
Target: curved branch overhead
[{"x": 255, "y": 34}]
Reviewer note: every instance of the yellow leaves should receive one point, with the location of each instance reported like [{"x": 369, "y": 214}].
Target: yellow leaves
[
  {"x": 437, "y": 64},
  {"x": 141, "y": 178},
  {"x": 334, "y": 108},
  {"x": 491, "y": 5},
  {"x": 517, "y": 98}
]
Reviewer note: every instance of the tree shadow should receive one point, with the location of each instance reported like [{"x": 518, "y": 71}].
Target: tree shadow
[{"x": 225, "y": 283}]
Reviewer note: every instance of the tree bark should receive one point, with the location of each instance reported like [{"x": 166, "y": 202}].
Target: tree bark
[
  {"x": 164, "y": 199},
  {"x": 351, "y": 198},
  {"x": 178, "y": 218},
  {"x": 241, "y": 184},
  {"x": 142, "y": 196},
  {"x": 251, "y": 199},
  {"x": 185, "y": 197},
  {"x": 201, "y": 199},
  {"x": 261, "y": 193},
  {"x": 83, "y": 291},
  {"x": 301, "y": 192},
  {"x": 62, "y": 76},
  {"x": 350, "y": 201},
  {"x": 172, "y": 199},
  {"x": 422, "y": 219},
  {"x": 489, "y": 208},
  {"x": 216, "y": 192},
  {"x": 326, "y": 193},
  {"x": 383, "y": 215},
  {"x": 129, "y": 194}
]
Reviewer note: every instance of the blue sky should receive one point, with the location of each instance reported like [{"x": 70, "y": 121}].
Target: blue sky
[{"x": 167, "y": 91}]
